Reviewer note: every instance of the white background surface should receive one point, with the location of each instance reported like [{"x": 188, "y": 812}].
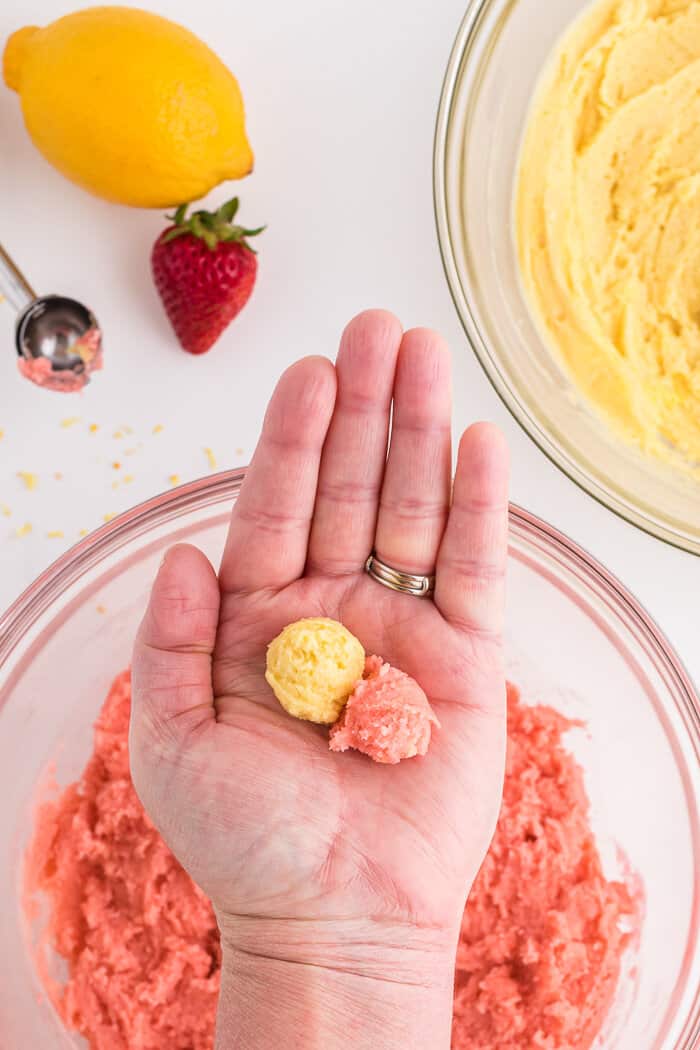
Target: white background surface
[{"x": 341, "y": 101}]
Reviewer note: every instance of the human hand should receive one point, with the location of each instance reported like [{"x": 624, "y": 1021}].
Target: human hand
[{"x": 328, "y": 868}]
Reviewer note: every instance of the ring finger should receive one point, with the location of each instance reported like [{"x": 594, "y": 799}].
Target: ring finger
[{"x": 415, "y": 495}]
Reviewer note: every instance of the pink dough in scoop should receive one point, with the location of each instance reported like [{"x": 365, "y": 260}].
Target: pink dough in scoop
[
  {"x": 387, "y": 716},
  {"x": 40, "y": 372}
]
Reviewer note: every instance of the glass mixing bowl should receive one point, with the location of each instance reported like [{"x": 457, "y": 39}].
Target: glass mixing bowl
[
  {"x": 498, "y": 57},
  {"x": 576, "y": 639}
]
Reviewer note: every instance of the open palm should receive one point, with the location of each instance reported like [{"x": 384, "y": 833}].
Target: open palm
[{"x": 264, "y": 817}]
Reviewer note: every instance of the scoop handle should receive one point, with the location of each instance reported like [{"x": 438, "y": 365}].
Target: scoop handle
[{"x": 14, "y": 286}]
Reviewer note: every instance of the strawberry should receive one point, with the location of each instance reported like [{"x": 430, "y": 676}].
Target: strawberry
[{"x": 204, "y": 271}]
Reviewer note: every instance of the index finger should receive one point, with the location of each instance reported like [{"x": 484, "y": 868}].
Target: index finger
[
  {"x": 471, "y": 566},
  {"x": 269, "y": 532}
]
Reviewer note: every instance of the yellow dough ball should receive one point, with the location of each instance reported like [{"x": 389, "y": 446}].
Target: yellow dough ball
[{"x": 313, "y": 666}]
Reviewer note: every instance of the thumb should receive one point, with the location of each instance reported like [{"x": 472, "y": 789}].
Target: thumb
[{"x": 171, "y": 674}]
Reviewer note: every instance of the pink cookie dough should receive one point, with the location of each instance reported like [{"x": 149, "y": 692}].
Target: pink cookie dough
[
  {"x": 38, "y": 370},
  {"x": 140, "y": 940},
  {"x": 544, "y": 931},
  {"x": 387, "y": 716},
  {"x": 539, "y": 956}
]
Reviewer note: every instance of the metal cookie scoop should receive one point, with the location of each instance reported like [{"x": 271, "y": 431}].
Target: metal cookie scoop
[{"x": 58, "y": 340}]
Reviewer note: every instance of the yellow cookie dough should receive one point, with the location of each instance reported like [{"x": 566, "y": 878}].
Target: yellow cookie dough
[
  {"x": 607, "y": 214},
  {"x": 312, "y": 667}
]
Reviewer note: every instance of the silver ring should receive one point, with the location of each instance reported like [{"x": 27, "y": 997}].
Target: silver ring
[{"x": 406, "y": 582}]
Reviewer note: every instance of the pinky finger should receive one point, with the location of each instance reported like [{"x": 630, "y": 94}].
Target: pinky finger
[{"x": 471, "y": 566}]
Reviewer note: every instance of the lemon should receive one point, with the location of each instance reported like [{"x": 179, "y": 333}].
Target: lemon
[{"x": 129, "y": 105}]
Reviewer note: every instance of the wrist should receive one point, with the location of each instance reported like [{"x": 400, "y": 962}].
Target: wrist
[{"x": 307, "y": 985}]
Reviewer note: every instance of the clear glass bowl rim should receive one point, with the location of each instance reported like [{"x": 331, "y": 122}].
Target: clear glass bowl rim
[
  {"x": 223, "y": 488},
  {"x": 613, "y": 500}
]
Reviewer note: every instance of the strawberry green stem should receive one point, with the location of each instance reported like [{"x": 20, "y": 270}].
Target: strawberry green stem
[{"x": 212, "y": 227}]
